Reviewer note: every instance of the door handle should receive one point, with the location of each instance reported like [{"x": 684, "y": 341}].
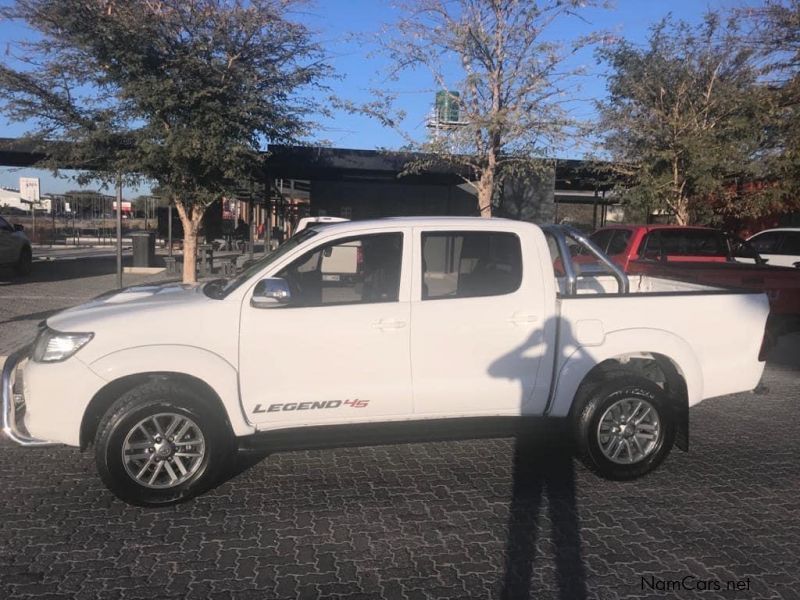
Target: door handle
[
  {"x": 388, "y": 324},
  {"x": 523, "y": 318}
]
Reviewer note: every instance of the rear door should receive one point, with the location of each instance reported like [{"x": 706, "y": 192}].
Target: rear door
[{"x": 479, "y": 327}]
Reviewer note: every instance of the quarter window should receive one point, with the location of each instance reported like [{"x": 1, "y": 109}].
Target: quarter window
[
  {"x": 469, "y": 264},
  {"x": 355, "y": 270}
]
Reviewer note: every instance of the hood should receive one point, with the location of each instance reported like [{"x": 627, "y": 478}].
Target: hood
[{"x": 126, "y": 303}]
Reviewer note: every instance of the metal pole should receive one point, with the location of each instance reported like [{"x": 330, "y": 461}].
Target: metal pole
[
  {"x": 119, "y": 230},
  {"x": 169, "y": 227},
  {"x": 250, "y": 214}
]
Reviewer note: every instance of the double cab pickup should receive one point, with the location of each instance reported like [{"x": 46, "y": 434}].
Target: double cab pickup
[{"x": 443, "y": 319}]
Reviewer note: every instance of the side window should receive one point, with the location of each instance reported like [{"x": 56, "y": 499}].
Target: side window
[
  {"x": 791, "y": 243},
  {"x": 619, "y": 243},
  {"x": 602, "y": 238},
  {"x": 355, "y": 270},
  {"x": 650, "y": 247},
  {"x": 467, "y": 264},
  {"x": 4, "y": 226},
  {"x": 766, "y": 243}
]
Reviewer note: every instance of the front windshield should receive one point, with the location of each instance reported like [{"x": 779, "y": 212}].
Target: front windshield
[{"x": 222, "y": 287}]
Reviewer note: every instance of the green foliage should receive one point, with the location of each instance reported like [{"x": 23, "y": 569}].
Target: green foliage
[
  {"x": 181, "y": 92},
  {"x": 685, "y": 122},
  {"x": 775, "y": 37}
]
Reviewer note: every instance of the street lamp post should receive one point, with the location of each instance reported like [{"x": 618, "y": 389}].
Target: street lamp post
[{"x": 119, "y": 231}]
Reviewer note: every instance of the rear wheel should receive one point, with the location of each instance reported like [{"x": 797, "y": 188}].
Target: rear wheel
[
  {"x": 624, "y": 427},
  {"x": 25, "y": 261},
  {"x": 159, "y": 445}
]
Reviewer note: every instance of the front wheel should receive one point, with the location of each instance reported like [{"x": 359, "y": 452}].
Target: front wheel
[
  {"x": 158, "y": 445},
  {"x": 624, "y": 428}
]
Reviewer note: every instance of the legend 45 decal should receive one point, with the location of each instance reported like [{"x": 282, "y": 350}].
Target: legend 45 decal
[{"x": 292, "y": 406}]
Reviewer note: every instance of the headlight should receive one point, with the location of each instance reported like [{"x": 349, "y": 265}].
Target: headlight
[{"x": 54, "y": 346}]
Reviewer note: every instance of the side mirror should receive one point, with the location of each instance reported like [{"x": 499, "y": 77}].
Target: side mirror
[
  {"x": 18, "y": 227},
  {"x": 272, "y": 292}
]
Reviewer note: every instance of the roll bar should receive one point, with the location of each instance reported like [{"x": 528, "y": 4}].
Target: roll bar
[{"x": 560, "y": 234}]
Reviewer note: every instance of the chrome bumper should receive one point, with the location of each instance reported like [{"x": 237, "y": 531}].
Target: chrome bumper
[{"x": 13, "y": 430}]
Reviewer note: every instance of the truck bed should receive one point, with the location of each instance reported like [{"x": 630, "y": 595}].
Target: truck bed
[{"x": 692, "y": 316}]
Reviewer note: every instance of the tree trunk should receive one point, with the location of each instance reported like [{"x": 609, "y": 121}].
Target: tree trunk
[
  {"x": 190, "y": 219},
  {"x": 682, "y": 211},
  {"x": 485, "y": 193}
]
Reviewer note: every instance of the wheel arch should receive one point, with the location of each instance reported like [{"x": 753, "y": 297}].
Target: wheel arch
[
  {"x": 210, "y": 376},
  {"x": 667, "y": 360},
  {"x": 113, "y": 390}
]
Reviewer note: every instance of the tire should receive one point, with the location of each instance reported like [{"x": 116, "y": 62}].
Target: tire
[
  {"x": 24, "y": 262},
  {"x": 613, "y": 444},
  {"x": 131, "y": 427}
]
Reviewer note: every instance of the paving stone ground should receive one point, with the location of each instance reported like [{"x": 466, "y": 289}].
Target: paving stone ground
[{"x": 498, "y": 518}]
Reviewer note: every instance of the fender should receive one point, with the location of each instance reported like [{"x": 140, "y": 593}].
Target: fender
[
  {"x": 206, "y": 366},
  {"x": 577, "y": 365}
]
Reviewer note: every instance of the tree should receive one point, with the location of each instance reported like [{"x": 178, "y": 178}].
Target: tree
[
  {"x": 181, "y": 92},
  {"x": 492, "y": 59},
  {"x": 684, "y": 121},
  {"x": 775, "y": 38}
]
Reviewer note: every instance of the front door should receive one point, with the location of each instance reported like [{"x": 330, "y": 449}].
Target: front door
[
  {"x": 339, "y": 352},
  {"x": 480, "y": 329}
]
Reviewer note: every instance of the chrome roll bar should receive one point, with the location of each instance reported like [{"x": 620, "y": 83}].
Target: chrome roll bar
[{"x": 560, "y": 234}]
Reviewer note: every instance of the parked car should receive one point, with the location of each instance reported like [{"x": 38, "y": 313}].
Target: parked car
[
  {"x": 702, "y": 255},
  {"x": 15, "y": 248},
  {"x": 457, "y": 319},
  {"x": 780, "y": 247}
]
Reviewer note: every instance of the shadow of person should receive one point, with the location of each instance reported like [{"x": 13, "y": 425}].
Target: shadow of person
[{"x": 543, "y": 471}]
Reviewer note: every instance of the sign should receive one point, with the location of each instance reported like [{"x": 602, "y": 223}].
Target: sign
[{"x": 29, "y": 189}]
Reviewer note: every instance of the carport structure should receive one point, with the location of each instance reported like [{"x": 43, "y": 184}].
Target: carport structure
[{"x": 357, "y": 184}]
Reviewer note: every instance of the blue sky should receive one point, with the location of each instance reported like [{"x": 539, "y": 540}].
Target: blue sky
[{"x": 336, "y": 20}]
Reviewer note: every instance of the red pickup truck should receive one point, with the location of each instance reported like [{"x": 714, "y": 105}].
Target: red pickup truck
[{"x": 702, "y": 255}]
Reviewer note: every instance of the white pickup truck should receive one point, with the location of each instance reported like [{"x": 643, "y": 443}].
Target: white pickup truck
[{"x": 457, "y": 319}]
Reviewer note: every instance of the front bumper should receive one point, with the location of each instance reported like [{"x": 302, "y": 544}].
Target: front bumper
[{"x": 14, "y": 404}]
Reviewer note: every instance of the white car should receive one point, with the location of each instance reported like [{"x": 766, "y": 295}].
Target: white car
[
  {"x": 780, "y": 247},
  {"x": 15, "y": 248},
  {"x": 482, "y": 321}
]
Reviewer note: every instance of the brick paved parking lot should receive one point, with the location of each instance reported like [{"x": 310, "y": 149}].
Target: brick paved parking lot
[{"x": 467, "y": 519}]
